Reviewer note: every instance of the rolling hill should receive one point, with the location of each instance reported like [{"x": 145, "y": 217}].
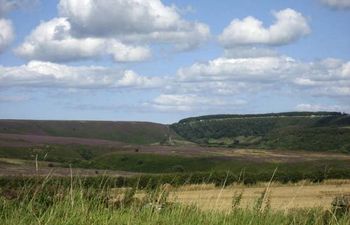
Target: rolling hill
[
  {"x": 206, "y": 143},
  {"x": 126, "y": 132},
  {"x": 315, "y": 131},
  {"x": 311, "y": 131}
]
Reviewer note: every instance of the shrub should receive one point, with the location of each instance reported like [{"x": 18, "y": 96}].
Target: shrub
[{"x": 178, "y": 169}]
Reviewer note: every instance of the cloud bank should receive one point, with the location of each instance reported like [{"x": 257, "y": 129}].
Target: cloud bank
[
  {"x": 122, "y": 29},
  {"x": 45, "y": 74}
]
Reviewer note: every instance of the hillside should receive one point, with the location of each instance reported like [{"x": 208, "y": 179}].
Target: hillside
[
  {"x": 126, "y": 132},
  {"x": 316, "y": 131},
  {"x": 158, "y": 148}
]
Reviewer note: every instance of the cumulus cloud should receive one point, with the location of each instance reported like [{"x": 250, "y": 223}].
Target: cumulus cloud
[
  {"x": 289, "y": 26},
  {"x": 218, "y": 85},
  {"x": 53, "y": 41},
  {"x": 127, "y": 53},
  {"x": 240, "y": 69},
  {"x": 329, "y": 77},
  {"x": 337, "y": 4},
  {"x": 133, "y": 20},
  {"x": 46, "y": 74},
  {"x": 6, "y": 34},
  {"x": 122, "y": 29},
  {"x": 224, "y": 84}
]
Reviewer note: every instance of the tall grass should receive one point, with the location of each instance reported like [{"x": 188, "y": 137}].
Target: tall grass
[{"x": 54, "y": 204}]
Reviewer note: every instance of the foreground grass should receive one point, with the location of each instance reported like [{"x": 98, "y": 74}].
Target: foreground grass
[
  {"x": 56, "y": 205},
  {"x": 85, "y": 214}
]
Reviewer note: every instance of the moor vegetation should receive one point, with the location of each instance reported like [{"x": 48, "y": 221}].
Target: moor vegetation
[
  {"x": 311, "y": 131},
  {"x": 143, "y": 149},
  {"x": 126, "y": 132}
]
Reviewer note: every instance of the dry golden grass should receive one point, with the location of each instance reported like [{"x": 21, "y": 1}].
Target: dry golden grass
[
  {"x": 280, "y": 197},
  {"x": 280, "y": 156}
]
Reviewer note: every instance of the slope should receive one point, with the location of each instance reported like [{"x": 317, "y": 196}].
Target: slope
[
  {"x": 126, "y": 132},
  {"x": 315, "y": 131}
]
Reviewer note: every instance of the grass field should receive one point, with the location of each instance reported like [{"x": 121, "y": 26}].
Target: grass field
[{"x": 74, "y": 205}]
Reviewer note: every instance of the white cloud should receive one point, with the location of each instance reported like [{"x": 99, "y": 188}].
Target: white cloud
[
  {"x": 132, "y": 79},
  {"x": 190, "y": 102},
  {"x": 127, "y": 53},
  {"x": 219, "y": 84},
  {"x": 6, "y": 34},
  {"x": 329, "y": 77},
  {"x": 214, "y": 88},
  {"x": 123, "y": 29},
  {"x": 46, "y": 74},
  {"x": 316, "y": 107},
  {"x": 239, "y": 69},
  {"x": 289, "y": 26},
  {"x": 338, "y": 4},
  {"x": 345, "y": 69},
  {"x": 107, "y": 17},
  {"x": 175, "y": 102},
  {"x": 53, "y": 41},
  {"x": 133, "y": 20}
]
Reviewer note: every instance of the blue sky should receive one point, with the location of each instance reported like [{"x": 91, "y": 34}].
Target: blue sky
[{"x": 164, "y": 60}]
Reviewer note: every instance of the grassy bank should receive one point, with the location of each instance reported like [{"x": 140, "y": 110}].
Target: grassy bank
[
  {"x": 219, "y": 178},
  {"x": 75, "y": 205}
]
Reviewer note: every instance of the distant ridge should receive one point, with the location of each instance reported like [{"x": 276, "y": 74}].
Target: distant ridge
[
  {"x": 223, "y": 116},
  {"x": 315, "y": 131},
  {"x": 310, "y": 131},
  {"x": 123, "y": 131}
]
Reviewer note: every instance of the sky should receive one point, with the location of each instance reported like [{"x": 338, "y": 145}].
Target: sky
[{"x": 165, "y": 60}]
